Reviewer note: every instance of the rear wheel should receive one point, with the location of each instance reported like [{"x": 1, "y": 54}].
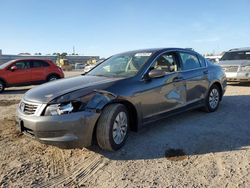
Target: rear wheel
[
  {"x": 213, "y": 99},
  {"x": 2, "y": 86},
  {"x": 112, "y": 127},
  {"x": 52, "y": 78}
]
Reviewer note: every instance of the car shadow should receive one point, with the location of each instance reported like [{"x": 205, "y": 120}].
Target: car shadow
[
  {"x": 194, "y": 133},
  {"x": 14, "y": 91}
]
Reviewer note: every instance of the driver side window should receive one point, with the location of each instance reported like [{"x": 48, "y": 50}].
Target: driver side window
[
  {"x": 22, "y": 65},
  {"x": 166, "y": 62}
]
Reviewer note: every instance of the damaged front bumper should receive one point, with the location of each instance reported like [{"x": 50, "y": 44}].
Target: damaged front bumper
[{"x": 69, "y": 130}]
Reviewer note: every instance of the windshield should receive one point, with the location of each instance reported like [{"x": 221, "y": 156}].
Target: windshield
[
  {"x": 241, "y": 55},
  {"x": 6, "y": 64},
  {"x": 122, "y": 65}
]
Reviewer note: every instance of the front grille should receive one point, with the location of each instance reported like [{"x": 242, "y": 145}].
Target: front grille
[
  {"x": 230, "y": 68},
  {"x": 29, "y": 109}
]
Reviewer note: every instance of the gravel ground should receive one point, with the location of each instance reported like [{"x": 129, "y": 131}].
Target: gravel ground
[{"x": 193, "y": 149}]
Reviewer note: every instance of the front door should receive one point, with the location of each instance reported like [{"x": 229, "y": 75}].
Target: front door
[
  {"x": 21, "y": 74},
  {"x": 160, "y": 95}
]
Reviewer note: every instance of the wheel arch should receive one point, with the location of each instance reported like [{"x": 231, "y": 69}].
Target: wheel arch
[
  {"x": 4, "y": 81},
  {"x": 218, "y": 84},
  {"x": 52, "y": 74},
  {"x": 133, "y": 115}
]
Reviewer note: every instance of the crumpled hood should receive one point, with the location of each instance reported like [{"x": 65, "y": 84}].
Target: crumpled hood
[
  {"x": 234, "y": 62},
  {"x": 49, "y": 91}
]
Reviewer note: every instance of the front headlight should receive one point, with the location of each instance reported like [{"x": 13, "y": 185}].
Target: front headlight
[
  {"x": 73, "y": 103},
  {"x": 245, "y": 68},
  {"x": 61, "y": 108}
]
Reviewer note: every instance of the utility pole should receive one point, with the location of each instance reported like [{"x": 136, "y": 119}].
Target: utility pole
[{"x": 73, "y": 50}]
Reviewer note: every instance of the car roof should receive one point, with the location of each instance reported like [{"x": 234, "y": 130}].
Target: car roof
[
  {"x": 31, "y": 59},
  {"x": 154, "y": 50},
  {"x": 240, "y": 49}
]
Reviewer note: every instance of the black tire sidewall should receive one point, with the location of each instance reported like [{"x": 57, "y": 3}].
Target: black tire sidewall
[
  {"x": 119, "y": 109},
  {"x": 210, "y": 109},
  {"x": 3, "y": 87},
  {"x": 52, "y": 76}
]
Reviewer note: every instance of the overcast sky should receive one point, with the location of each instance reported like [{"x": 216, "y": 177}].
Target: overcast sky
[{"x": 105, "y": 27}]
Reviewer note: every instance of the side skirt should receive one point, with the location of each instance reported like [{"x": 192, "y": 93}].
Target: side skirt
[{"x": 164, "y": 115}]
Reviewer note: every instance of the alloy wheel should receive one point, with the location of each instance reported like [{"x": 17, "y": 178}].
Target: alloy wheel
[
  {"x": 120, "y": 127},
  {"x": 52, "y": 79},
  {"x": 214, "y": 98}
]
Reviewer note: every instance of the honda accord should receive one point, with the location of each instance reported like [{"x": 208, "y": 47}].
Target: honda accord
[{"x": 123, "y": 93}]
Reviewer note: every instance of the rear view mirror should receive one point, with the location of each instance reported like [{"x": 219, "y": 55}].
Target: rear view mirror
[
  {"x": 13, "y": 68},
  {"x": 156, "y": 73}
]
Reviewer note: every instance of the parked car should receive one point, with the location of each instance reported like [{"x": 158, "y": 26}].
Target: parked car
[
  {"x": 124, "y": 92},
  {"x": 28, "y": 72},
  {"x": 87, "y": 68},
  {"x": 91, "y": 66},
  {"x": 214, "y": 58},
  {"x": 236, "y": 64},
  {"x": 79, "y": 66}
]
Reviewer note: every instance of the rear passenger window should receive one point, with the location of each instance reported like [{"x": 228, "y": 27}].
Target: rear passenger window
[
  {"x": 189, "y": 61},
  {"x": 36, "y": 64}
]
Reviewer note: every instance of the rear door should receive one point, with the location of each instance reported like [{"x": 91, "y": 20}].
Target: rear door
[
  {"x": 38, "y": 70},
  {"x": 195, "y": 72},
  {"x": 21, "y": 74}
]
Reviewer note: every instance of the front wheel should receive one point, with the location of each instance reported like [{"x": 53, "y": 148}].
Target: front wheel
[
  {"x": 2, "y": 86},
  {"x": 112, "y": 127},
  {"x": 52, "y": 78},
  {"x": 213, "y": 99}
]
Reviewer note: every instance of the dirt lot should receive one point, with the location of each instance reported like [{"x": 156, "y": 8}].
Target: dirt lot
[{"x": 194, "y": 149}]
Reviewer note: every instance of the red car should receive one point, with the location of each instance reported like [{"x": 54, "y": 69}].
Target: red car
[{"x": 24, "y": 72}]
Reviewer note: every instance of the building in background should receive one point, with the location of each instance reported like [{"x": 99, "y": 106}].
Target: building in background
[{"x": 72, "y": 59}]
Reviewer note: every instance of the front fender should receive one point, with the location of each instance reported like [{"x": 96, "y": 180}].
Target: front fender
[
  {"x": 103, "y": 98},
  {"x": 100, "y": 99}
]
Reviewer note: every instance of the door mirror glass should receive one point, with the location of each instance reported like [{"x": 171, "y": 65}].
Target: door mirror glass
[
  {"x": 156, "y": 73},
  {"x": 13, "y": 68}
]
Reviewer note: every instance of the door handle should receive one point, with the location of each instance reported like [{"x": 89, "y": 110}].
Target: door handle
[{"x": 177, "y": 78}]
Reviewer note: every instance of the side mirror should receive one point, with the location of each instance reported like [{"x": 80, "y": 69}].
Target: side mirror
[
  {"x": 13, "y": 68},
  {"x": 156, "y": 73}
]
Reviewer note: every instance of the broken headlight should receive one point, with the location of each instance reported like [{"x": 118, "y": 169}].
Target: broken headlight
[{"x": 68, "y": 107}]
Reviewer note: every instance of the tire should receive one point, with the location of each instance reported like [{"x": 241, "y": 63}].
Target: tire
[
  {"x": 112, "y": 125},
  {"x": 2, "y": 86},
  {"x": 212, "y": 101},
  {"x": 52, "y": 78}
]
